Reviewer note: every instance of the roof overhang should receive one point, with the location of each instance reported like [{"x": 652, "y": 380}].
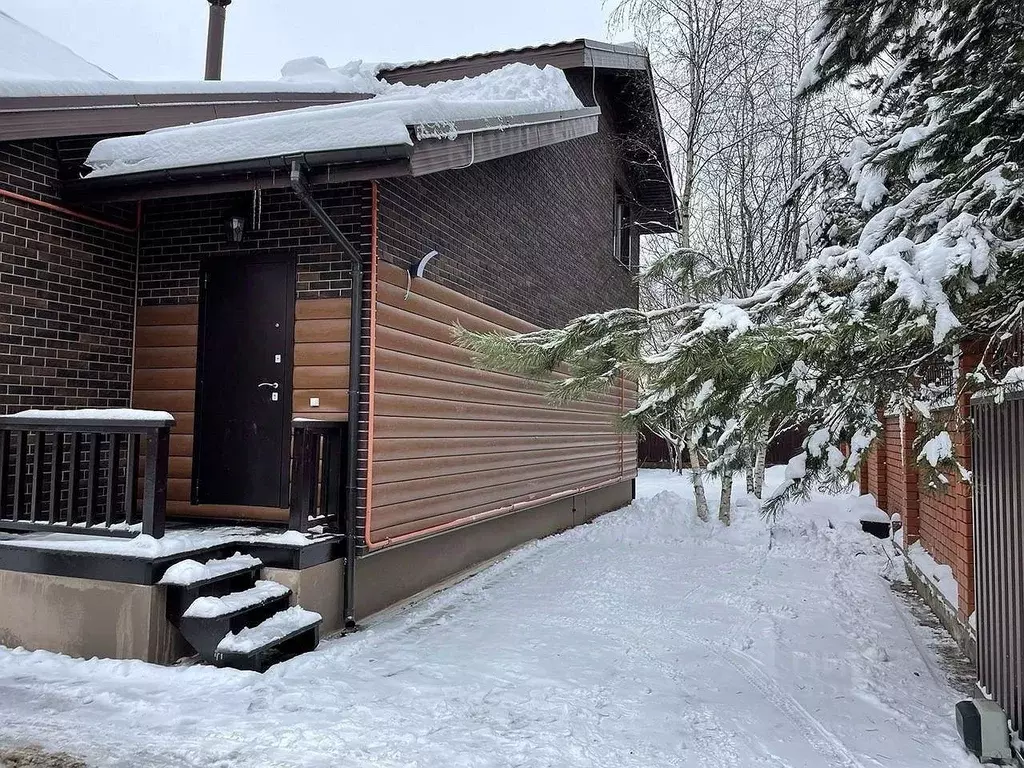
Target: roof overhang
[
  {"x": 629, "y": 67},
  {"x": 38, "y": 117},
  {"x": 431, "y": 151},
  {"x": 573, "y": 54}
]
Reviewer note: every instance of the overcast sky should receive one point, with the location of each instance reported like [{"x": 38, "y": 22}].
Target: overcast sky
[{"x": 166, "y": 39}]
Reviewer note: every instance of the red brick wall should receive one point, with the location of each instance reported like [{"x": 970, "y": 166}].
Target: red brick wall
[
  {"x": 946, "y": 524},
  {"x": 939, "y": 518},
  {"x": 901, "y": 474},
  {"x": 876, "y": 475}
]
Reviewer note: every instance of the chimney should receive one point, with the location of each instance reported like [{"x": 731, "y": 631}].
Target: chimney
[{"x": 215, "y": 38}]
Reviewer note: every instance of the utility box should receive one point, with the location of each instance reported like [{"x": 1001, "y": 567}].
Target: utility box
[{"x": 984, "y": 730}]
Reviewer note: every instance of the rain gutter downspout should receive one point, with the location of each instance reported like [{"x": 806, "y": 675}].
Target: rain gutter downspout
[{"x": 301, "y": 189}]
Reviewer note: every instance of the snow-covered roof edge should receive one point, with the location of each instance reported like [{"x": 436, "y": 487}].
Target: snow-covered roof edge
[{"x": 493, "y": 100}]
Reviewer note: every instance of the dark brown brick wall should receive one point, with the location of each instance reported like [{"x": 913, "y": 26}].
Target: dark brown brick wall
[
  {"x": 66, "y": 290},
  {"x": 178, "y": 233},
  {"x": 529, "y": 234}
]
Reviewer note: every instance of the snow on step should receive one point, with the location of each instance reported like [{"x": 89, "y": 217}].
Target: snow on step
[
  {"x": 212, "y": 607},
  {"x": 278, "y": 626},
  {"x": 192, "y": 572}
]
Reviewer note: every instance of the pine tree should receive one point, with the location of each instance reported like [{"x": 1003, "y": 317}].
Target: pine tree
[{"x": 921, "y": 250}]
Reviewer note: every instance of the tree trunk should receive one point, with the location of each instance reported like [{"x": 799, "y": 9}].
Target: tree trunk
[
  {"x": 697, "y": 473},
  {"x": 725, "y": 503},
  {"x": 750, "y": 481},
  {"x": 762, "y": 451}
]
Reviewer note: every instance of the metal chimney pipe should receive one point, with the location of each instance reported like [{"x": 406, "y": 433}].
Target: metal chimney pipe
[{"x": 215, "y": 38}]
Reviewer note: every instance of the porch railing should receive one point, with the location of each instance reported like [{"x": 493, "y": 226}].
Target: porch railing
[
  {"x": 317, "y": 475},
  {"x": 81, "y": 472}
]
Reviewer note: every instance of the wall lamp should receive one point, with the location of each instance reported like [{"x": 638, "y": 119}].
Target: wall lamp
[
  {"x": 235, "y": 227},
  {"x": 417, "y": 269}
]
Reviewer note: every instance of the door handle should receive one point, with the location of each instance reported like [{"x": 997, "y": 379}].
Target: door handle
[{"x": 271, "y": 384}]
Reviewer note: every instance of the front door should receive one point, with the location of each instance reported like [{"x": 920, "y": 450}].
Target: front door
[{"x": 244, "y": 382}]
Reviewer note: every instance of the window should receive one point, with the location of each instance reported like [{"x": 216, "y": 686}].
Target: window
[{"x": 625, "y": 244}]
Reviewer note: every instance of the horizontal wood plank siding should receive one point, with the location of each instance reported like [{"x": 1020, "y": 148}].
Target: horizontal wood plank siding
[
  {"x": 165, "y": 379},
  {"x": 453, "y": 441},
  {"x": 321, "y": 358}
]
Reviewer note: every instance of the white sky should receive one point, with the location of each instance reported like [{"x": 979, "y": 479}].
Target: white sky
[{"x": 166, "y": 39}]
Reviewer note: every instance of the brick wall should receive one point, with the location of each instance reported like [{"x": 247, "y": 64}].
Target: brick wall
[
  {"x": 875, "y": 472},
  {"x": 529, "y": 234},
  {"x": 941, "y": 519},
  {"x": 178, "y": 233},
  {"x": 66, "y": 290},
  {"x": 902, "y": 475},
  {"x": 946, "y": 524}
]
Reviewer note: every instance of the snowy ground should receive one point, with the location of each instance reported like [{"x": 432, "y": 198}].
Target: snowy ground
[{"x": 644, "y": 640}]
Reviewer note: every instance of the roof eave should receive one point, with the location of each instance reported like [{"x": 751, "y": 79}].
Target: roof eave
[
  {"x": 347, "y": 165},
  {"x": 487, "y": 139},
  {"x": 37, "y": 117}
]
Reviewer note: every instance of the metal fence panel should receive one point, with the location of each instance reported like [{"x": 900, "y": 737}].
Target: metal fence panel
[{"x": 997, "y": 447}]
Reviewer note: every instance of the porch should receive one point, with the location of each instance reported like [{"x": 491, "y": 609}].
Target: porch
[{"x": 88, "y": 550}]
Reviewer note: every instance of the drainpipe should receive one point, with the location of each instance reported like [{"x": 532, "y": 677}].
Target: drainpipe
[
  {"x": 215, "y": 38},
  {"x": 301, "y": 189}
]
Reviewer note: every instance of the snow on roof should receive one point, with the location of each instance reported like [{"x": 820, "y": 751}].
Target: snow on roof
[
  {"x": 33, "y": 65},
  {"x": 354, "y": 77},
  {"x": 27, "y": 55},
  {"x": 512, "y": 91},
  {"x": 68, "y": 88}
]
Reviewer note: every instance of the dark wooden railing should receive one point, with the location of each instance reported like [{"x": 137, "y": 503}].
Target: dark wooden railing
[
  {"x": 79, "y": 473},
  {"x": 317, "y": 475}
]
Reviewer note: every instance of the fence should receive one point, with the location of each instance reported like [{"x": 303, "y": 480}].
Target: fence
[
  {"x": 77, "y": 472},
  {"x": 998, "y": 453}
]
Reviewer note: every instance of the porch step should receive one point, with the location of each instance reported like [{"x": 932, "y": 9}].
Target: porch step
[
  {"x": 191, "y": 573},
  {"x": 283, "y": 635},
  {"x": 208, "y": 620},
  {"x": 189, "y": 579},
  {"x": 232, "y": 618}
]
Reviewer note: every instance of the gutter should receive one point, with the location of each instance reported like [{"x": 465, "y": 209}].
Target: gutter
[
  {"x": 89, "y": 186},
  {"x": 302, "y": 191}
]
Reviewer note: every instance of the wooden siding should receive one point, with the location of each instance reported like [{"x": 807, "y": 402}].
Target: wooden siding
[
  {"x": 166, "y": 341},
  {"x": 452, "y": 441}
]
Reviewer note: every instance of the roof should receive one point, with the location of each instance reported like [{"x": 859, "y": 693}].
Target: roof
[
  {"x": 402, "y": 147},
  {"x": 27, "y": 56},
  {"x": 570, "y": 54},
  {"x": 46, "y": 90},
  {"x": 626, "y": 74},
  {"x": 407, "y": 129}
]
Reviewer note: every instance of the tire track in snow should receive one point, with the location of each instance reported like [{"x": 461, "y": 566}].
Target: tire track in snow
[{"x": 812, "y": 729}]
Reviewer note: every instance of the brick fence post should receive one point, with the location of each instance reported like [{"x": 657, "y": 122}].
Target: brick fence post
[
  {"x": 912, "y": 501},
  {"x": 878, "y": 459}
]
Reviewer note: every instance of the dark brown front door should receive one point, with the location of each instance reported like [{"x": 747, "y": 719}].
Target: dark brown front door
[{"x": 244, "y": 383}]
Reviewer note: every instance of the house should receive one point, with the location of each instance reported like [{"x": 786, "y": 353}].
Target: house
[{"x": 268, "y": 301}]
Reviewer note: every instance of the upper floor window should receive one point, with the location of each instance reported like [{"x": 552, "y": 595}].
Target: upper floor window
[{"x": 626, "y": 242}]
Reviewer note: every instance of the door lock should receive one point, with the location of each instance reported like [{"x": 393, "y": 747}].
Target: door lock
[{"x": 271, "y": 384}]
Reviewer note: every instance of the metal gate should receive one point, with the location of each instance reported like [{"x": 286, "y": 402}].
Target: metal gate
[{"x": 997, "y": 445}]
